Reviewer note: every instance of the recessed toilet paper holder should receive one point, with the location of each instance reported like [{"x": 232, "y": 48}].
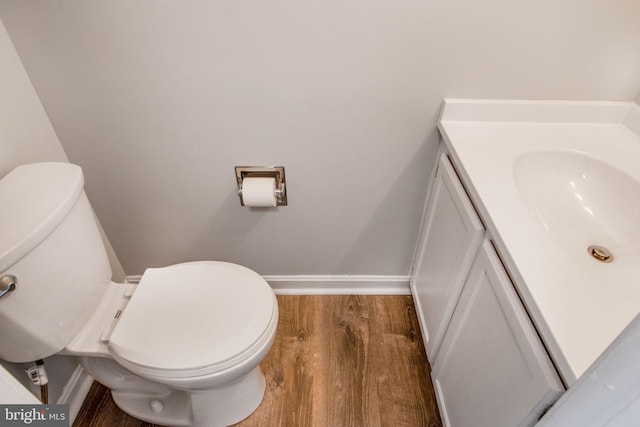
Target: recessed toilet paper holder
[{"x": 276, "y": 172}]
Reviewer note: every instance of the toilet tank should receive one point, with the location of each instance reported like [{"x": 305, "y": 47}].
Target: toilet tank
[{"x": 50, "y": 241}]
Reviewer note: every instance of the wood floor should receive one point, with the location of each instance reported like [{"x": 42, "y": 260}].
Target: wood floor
[{"x": 337, "y": 361}]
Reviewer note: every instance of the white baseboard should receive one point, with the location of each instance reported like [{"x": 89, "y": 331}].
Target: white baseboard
[
  {"x": 341, "y": 284},
  {"x": 75, "y": 391}
]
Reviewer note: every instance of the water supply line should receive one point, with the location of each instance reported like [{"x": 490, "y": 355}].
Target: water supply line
[{"x": 38, "y": 376}]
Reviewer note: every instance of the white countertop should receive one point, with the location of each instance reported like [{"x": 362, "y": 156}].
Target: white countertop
[{"x": 578, "y": 304}]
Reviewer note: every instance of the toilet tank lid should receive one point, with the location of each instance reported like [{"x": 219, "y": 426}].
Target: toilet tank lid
[{"x": 35, "y": 198}]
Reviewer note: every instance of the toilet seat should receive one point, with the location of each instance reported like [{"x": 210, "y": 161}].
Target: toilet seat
[{"x": 194, "y": 319}]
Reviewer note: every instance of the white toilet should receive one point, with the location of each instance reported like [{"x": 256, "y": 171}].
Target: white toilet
[{"x": 181, "y": 348}]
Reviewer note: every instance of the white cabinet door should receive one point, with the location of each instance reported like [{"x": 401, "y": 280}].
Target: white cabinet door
[
  {"x": 451, "y": 234},
  {"x": 492, "y": 370}
]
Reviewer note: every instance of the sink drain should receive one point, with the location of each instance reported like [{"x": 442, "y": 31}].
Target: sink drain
[{"x": 600, "y": 253}]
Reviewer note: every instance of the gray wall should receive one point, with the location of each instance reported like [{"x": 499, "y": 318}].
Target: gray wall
[
  {"x": 26, "y": 135},
  {"x": 158, "y": 100}
]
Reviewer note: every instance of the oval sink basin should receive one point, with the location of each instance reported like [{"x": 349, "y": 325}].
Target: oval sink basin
[{"x": 580, "y": 201}]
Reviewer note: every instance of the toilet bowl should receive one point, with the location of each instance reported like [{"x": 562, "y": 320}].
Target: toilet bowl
[{"x": 182, "y": 347}]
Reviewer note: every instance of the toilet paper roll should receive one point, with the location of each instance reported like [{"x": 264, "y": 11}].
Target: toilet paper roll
[{"x": 259, "y": 192}]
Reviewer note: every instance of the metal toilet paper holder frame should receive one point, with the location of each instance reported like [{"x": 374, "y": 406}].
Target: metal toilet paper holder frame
[{"x": 276, "y": 172}]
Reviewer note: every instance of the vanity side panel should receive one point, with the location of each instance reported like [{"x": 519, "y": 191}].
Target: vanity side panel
[{"x": 451, "y": 235}]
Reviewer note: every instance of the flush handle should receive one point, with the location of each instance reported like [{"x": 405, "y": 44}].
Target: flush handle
[{"x": 8, "y": 284}]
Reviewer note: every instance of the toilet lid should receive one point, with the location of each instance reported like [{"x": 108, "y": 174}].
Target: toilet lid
[{"x": 191, "y": 316}]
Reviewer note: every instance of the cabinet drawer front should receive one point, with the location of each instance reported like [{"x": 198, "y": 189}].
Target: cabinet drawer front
[
  {"x": 492, "y": 370},
  {"x": 451, "y": 235}
]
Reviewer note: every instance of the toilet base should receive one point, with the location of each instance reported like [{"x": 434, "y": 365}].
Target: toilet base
[
  {"x": 175, "y": 406},
  {"x": 155, "y": 403},
  {"x": 230, "y": 403}
]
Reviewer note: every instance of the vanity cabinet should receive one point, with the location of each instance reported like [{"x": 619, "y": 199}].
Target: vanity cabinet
[
  {"x": 490, "y": 368},
  {"x": 451, "y": 234}
]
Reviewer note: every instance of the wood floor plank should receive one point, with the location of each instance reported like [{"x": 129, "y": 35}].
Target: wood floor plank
[{"x": 337, "y": 361}]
